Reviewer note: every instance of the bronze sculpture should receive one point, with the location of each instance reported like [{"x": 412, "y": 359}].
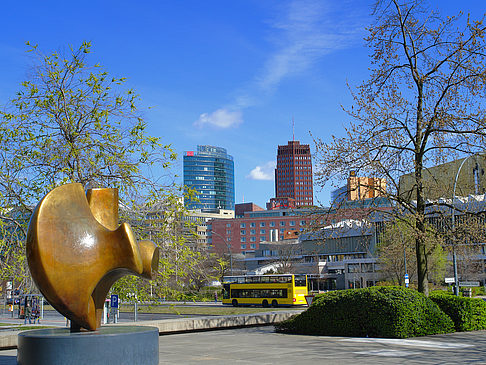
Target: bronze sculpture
[{"x": 76, "y": 251}]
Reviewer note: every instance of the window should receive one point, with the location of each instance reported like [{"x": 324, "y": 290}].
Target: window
[
  {"x": 353, "y": 268},
  {"x": 262, "y": 224},
  {"x": 262, "y": 231},
  {"x": 367, "y": 267},
  {"x": 228, "y": 225},
  {"x": 252, "y": 239},
  {"x": 252, "y": 231},
  {"x": 282, "y": 230},
  {"x": 228, "y": 232},
  {"x": 282, "y": 224},
  {"x": 252, "y": 245},
  {"x": 243, "y": 246},
  {"x": 243, "y": 239},
  {"x": 272, "y": 224},
  {"x": 292, "y": 223},
  {"x": 242, "y": 225},
  {"x": 243, "y": 232},
  {"x": 262, "y": 238},
  {"x": 302, "y": 223},
  {"x": 252, "y": 224}
]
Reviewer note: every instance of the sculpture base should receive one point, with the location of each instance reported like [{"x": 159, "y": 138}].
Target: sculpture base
[{"x": 119, "y": 345}]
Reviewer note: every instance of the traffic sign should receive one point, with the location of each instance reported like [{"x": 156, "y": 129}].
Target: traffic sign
[
  {"x": 309, "y": 299},
  {"x": 114, "y": 301},
  {"x": 469, "y": 283}
]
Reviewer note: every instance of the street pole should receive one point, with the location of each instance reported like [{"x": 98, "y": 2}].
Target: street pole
[{"x": 454, "y": 258}]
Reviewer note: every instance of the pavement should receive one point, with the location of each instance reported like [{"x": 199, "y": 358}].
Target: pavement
[{"x": 263, "y": 346}]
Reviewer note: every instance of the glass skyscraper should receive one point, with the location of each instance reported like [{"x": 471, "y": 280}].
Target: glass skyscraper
[{"x": 210, "y": 171}]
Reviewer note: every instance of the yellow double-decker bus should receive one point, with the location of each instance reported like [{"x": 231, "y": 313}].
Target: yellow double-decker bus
[{"x": 265, "y": 290}]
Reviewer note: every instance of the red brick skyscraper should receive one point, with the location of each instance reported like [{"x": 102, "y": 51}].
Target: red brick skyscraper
[{"x": 293, "y": 175}]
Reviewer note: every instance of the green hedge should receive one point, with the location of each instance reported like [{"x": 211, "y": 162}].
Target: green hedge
[
  {"x": 468, "y": 314},
  {"x": 393, "y": 312}
]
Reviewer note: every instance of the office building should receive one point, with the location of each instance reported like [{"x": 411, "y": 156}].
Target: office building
[
  {"x": 210, "y": 171},
  {"x": 293, "y": 176},
  {"x": 438, "y": 181},
  {"x": 359, "y": 188}
]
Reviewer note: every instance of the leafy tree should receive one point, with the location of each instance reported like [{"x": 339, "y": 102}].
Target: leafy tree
[
  {"x": 423, "y": 104},
  {"x": 396, "y": 244},
  {"x": 72, "y": 122}
]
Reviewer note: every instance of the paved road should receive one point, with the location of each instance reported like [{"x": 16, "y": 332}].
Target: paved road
[
  {"x": 53, "y": 318},
  {"x": 261, "y": 345}
]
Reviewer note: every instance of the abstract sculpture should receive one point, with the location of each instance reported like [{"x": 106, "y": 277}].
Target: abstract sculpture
[{"x": 76, "y": 251}]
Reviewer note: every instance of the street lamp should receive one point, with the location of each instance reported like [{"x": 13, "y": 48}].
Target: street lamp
[
  {"x": 454, "y": 259},
  {"x": 228, "y": 246}
]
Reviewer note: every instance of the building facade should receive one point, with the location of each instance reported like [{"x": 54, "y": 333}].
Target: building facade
[
  {"x": 359, "y": 188},
  {"x": 244, "y": 234},
  {"x": 198, "y": 222},
  {"x": 210, "y": 171},
  {"x": 293, "y": 175},
  {"x": 438, "y": 181}
]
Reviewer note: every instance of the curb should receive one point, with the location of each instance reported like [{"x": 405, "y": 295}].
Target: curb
[{"x": 8, "y": 340}]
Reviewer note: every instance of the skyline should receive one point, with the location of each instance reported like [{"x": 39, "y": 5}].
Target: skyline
[{"x": 231, "y": 75}]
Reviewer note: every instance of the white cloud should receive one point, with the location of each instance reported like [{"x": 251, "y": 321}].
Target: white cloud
[
  {"x": 307, "y": 31},
  {"x": 301, "y": 34},
  {"x": 264, "y": 172},
  {"x": 221, "y": 118}
]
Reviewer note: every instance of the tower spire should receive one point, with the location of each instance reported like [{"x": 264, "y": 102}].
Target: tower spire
[{"x": 293, "y": 134}]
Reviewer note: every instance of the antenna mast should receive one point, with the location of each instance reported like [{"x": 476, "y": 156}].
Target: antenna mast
[{"x": 293, "y": 134}]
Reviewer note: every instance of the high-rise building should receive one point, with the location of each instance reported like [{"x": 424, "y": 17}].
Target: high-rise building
[
  {"x": 210, "y": 171},
  {"x": 293, "y": 175},
  {"x": 359, "y": 188}
]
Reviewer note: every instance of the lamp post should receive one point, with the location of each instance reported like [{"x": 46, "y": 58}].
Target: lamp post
[
  {"x": 454, "y": 259},
  {"x": 228, "y": 246}
]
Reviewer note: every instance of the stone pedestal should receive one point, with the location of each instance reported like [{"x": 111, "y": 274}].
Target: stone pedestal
[{"x": 120, "y": 345}]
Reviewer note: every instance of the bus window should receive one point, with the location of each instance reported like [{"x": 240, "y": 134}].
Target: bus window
[
  {"x": 253, "y": 279},
  {"x": 300, "y": 280}
]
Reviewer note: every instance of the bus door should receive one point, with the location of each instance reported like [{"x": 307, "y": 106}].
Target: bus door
[{"x": 226, "y": 291}]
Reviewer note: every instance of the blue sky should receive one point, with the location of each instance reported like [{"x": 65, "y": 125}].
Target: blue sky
[{"x": 226, "y": 73}]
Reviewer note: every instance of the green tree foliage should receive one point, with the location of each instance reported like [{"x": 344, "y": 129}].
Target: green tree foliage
[
  {"x": 396, "y": 244},
  {"x": 423, "y": 104},
  {"x": 73, "y": 122}
]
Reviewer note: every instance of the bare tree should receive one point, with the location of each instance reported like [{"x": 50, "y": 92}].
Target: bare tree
[
  {"x": 422, "y": 105},
  {"x": 396, "y": 251}
]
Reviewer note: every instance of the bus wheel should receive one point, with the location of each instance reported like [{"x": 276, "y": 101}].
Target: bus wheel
[
  {"x": 235, "y": 303},
  {"x": 265, "y": 303},
  {"x": 274, "y": 303}
]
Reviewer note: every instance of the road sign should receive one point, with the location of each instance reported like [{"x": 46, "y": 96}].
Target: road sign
[
  {"x": 114, "y": 301},
  {"x": 469, "y": 283},
  {"x": 309, "y": 299},
  {"x": 449, "y": 280}
]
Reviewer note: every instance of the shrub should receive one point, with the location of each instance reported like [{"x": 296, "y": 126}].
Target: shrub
[
  {"x": 468, "y": 314},
  {"x": 374, "y": 312}
]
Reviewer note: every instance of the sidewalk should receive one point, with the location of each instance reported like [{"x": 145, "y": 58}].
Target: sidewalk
[
  {"x": 263, "y": 346},
  {"x": 8, "y": 339}
]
